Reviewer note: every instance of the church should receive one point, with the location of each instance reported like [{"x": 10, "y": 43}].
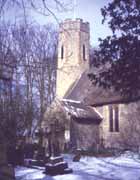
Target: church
[{"x": 96, "y": 117}]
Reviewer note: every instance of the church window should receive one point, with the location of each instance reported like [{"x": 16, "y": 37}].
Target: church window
[
  {"x": 116, "y": 109},
  {"x": 62, "y": 52},
  {"x": 110, "y": 118},
  {"x": 84, "y": 52},
  {"x": 114, "y": 118}
]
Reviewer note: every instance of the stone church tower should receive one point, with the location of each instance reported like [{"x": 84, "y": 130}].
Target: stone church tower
[
  {"x": 73, "y": 64},
  {"x": 73, "y": 54}
]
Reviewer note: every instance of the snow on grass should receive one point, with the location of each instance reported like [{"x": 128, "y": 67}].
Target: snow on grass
[
  {"x": 124, "y": 167},
  {"x": 23, "y": 173}
]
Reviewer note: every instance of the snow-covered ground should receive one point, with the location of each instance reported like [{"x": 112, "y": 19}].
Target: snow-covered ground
[{"x": 124, "y": 167}]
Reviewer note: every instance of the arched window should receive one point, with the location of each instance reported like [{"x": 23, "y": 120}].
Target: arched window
[
  {"x": 84, "y": 53},
  {"x": 111, "y": 118},
  {"x": 62, "y": 52},
  {"x": 114, "y": 118}
]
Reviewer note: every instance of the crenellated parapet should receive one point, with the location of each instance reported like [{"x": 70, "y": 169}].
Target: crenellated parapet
[{"x": 77, "y": 24}]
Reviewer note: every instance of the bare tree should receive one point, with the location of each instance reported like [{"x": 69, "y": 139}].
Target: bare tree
[
  {"x": 35, "y": 48},
  {"x": 27, "y": 67},
  {"x": 7, "y": 123},
  {"x": 42, "y": 7},
  {"x": 45, "y": 54}
]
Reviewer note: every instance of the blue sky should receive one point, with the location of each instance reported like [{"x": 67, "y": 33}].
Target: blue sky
[{"x": 88, "y": 10}]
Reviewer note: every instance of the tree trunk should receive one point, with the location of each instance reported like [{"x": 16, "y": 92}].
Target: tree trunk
[{"x": 6, "y": 171}]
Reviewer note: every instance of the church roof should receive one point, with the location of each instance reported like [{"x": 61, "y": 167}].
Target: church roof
[
  {"x": 82, "y": 113},
  {"x": 84, "y": 91},
  {"x": 78, "y": 88}
]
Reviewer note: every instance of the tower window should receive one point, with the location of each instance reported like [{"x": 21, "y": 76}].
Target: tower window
[
  {"x": 113, "y": 118},
  {"x": 62, "y": 52},
  {"x": 84, "y": 53}
]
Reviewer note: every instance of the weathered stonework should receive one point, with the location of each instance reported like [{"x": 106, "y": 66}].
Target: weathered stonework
[
  {"x": 129, "y": 127},
  {"x": 73, "y": 36},
  {"x": 110, "y": 138},
  {"x": 73, "y": 63},
  {"x": 86, "y": 137}
]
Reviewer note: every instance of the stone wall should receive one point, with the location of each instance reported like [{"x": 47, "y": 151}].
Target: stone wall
[
  {"x": 55, "y": 113},
  {"x": 129, "y": 127},
  {"x": 85, "y": 136}
]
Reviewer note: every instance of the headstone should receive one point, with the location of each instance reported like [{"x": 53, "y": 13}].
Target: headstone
[
  {"x": 29, "y": 151},
  {"x": 57, "y": 166},
  {"x": 19, "y": 155},
  {"x": 77, "y": 156},
  {"x": 40, "y": 153},
  {"x": 11, "y": 155}
]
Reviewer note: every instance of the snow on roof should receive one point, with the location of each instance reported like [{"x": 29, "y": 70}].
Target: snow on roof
[{"x": 82, "y": 113}]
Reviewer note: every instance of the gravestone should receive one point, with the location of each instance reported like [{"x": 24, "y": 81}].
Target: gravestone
[
  {"x": 36, "y": 157},
  {"x": 29, "y": 151},
  {"x": 77, "y": 156},
  {"x": 56, "y": 164}
]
